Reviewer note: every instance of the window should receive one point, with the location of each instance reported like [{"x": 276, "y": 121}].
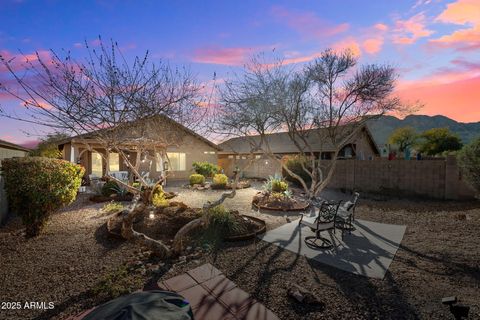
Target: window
[
  {"x": 97, "y": 164},
  {"x": 177, "y": 161},
  {"x": 113, "y": 162},
  {"x": 258, "y": 156},
  {"x": 230, "y": 156},
  {"x": 209, "y": 152}
]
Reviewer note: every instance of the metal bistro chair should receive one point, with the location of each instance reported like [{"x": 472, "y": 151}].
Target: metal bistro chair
[
  {"x": 325, "y": 221},
  {"x": 346, "y": 215}
]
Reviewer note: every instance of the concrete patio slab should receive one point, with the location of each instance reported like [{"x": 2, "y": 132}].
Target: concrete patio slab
[
  {"x": 367, "y": 251},
  {"x": 213, "y": 296}
]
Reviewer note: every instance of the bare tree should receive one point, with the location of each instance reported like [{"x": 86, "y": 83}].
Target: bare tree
[
  {"x": 324, "y": 104},
  {"x": 109, "y": 104}
]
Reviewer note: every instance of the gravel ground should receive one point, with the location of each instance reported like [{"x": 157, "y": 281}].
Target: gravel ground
[
  {"x": 59, "y": 266},
  {"x": 438, "y": 257}
]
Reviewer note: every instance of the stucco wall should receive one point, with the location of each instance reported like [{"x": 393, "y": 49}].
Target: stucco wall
[
  {"x": 10, "y": 153},
  {"x": 4, "y": 154},
  {"x": 193, "y": 147}
]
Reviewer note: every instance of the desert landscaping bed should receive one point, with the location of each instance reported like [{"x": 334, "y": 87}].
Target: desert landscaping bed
[{"x": 76, "y": 266}]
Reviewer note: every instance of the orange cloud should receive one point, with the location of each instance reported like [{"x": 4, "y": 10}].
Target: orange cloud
[
  {"x": 461, "y": 12},
  {"x": 451, "y": 92},
  {"x": 225, "y": 56},
  {"x": 307, "y": 23},
  {"x": 457, "y": 100},
  {"x": 410, "y": 30}
]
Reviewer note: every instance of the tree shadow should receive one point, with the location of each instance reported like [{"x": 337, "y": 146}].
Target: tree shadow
[{"x": 107, "y": 241}]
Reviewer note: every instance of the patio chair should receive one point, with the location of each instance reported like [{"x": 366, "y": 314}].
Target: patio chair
[
  {"x": 346, "y": 215},
  {"x": 325, "y": 221}
]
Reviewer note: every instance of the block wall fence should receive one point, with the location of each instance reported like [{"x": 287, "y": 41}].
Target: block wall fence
[{"x": 435, "y": 178}]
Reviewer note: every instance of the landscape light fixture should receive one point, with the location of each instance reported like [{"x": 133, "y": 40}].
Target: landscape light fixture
[{"x": 458, "y": 311}]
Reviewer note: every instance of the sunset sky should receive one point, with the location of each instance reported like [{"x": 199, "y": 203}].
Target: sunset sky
[{"x": 434, "y": 44}]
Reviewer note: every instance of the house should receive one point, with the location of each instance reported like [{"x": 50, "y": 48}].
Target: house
[
  {"x": 234, "y": 152},
  {"x": 172, "y": 147},
  {"x": 10, "y": 150}
]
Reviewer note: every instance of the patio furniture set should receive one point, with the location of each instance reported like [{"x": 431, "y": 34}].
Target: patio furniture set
[{"x": 332, "y": 215}]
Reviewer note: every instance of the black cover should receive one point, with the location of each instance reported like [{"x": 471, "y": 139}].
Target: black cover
[{"x": 144, "y": 305}]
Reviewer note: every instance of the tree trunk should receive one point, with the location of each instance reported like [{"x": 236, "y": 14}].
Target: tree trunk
[{"x": 158, "y": 247}]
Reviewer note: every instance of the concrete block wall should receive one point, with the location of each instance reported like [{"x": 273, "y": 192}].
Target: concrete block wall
[
  {"x": 436, "y": 178},
  {"x": 440, "y": 179}
]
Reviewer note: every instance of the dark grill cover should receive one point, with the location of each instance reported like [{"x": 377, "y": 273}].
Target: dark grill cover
[{"x": 144, "y": 305}]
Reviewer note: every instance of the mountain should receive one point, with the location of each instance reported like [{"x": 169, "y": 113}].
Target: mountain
[{"x": 382, "y": 127}]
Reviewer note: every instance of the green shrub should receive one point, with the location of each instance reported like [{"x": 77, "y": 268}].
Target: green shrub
[
  {"x": 158, "y": 198},
  {"x": 294, "y": 164},
  {"x": 469, "y": 161},
  {"x": 205, "y": 168},
  {"x": 109, "y": 188},
  {"x": 276, "y": 184},
  {"x": 220, "y": 180},
  {"x": 197, "y": 179},
  {"x": 36, "y": 187},
  {"x": 112, "y": 207},
  {"x": 221, "y": 219},
  {"x": 279, "y": 186}
]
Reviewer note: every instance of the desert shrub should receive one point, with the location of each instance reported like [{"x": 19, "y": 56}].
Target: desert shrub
[
  {"x": 36, "y": 187},
  {"x": 205, "y": 168},
  {"x": 112, "y": 207},
  {"x": 116, "y": 283},
  {"x": 220, "y": 180},
  {"x": 221, "y": 219},
  {"x": 279, "y": 186},
  {"x": 197, "y": 179},
  {"x": 469, "y": 161},
  {"x": 109, "y": 188},
  {"x": 275, "y": 184},
  {"x": 294, "y": 164},
  {"x": 158, "y": 198}
]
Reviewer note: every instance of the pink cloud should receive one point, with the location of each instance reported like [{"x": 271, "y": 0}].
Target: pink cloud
[
  {"x": 307, "y": 23},
  {"x": 410, "y": 30},
  {"x": 226, "y": 56},
  {"x": 20, "y": 61},
  {"x": 381, "y": 27},
  {"x": 348, "y": 44},
  {"x": 301, "y": 58},
  {"x": 467, "y": 14},
  {"x": 373, "y": 45}
]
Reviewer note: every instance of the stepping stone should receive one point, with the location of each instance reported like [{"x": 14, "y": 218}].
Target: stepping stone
[
  {"x": 211, "y": 309},
  {"x": 236, "y": 299},
  {"x": 256, "y": 311},
  {"x": 195, "y": 295},
  {"x": 218, "y": 285},
  {"x": 179, "y": 283},
  {"x": 204, "y": 272}
]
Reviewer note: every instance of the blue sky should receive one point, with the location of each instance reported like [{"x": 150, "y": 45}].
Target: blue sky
[{"x": 434, "y": 44}]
